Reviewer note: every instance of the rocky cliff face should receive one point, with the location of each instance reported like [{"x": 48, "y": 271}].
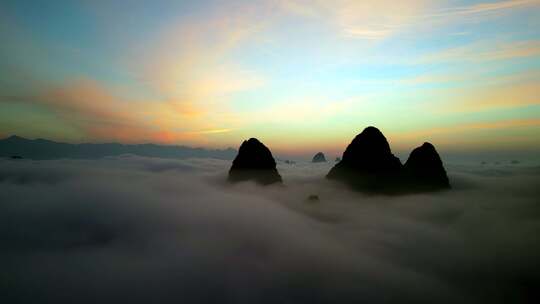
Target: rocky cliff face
[{"x": 254, "y": 162}]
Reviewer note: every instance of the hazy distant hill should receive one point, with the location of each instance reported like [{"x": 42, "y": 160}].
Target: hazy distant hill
[{"x": 46, "y": 149}]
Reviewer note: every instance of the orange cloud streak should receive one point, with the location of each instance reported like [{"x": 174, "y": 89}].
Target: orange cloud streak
[
  {"x": 101, "y": 115},
  {"x": 457, "y": 135}
]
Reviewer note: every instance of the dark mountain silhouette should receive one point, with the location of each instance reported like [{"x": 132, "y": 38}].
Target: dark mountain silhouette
[
  {"x": 254, "y": 162},
  {"x": 369, "y": 165},
  {"x": 424, "y": 169},
  {"x": 319, "y": 158},
  {"x": 46, "y": 149}
]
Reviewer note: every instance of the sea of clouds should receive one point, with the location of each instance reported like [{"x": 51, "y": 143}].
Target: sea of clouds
[{"x": 146, "y": 230}]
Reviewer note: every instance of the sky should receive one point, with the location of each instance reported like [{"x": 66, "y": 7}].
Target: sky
[{"x": 302, "y": 76}]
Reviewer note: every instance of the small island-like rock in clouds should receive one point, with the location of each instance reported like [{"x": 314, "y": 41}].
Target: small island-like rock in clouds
[
  {"x": 369, "y": 165},
  {"x": 424, "y": 169},
  {"x": 313, "y": 198},
  {"x": 319, "y": 158},
  {"x": 254, "y": 162}
]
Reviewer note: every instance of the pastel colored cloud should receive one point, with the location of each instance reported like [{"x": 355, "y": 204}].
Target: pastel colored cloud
[
  {"x": 298, "y": 74},
  {"x": 486, "y": 51},
  {"x": 98, "y": 113},
  {"x": 495, "y": 134},
  {"x": 361, "y": 19}
]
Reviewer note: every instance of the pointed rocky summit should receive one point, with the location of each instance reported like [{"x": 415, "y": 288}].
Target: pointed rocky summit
[
  {"x": 254, "y": 162},
  {"x": 319, "y": 158},
  {"x": 424, "y": 169},
  {"x": 368, "y": 163}
]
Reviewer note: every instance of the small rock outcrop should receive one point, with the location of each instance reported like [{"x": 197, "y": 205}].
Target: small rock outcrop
[
  {"x": 424, "y": 169},
  {"x": 254, "y": 162},
  {"x": 368, "y": 163},
  {"x": 313, "y": 198},
  {"x": 319, "y": 158}
]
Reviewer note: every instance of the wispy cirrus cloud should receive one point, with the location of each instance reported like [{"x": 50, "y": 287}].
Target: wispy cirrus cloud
[
  {"x": 191, "y": 59},
  {"x": 100, "y": 114},
  {"x": 487, "y": 7},
  {"x": 374, "y": 20},
  {"x": 484, "y": 51},
  {"x": 499, "y": 98},
  {"x": 193, "y": 64},
  {"x": 215, "y": 131},
  {"x": 502, "y": 133},
  {"x": 467, "y": 127},
  {"x": 370, "y": 20}
]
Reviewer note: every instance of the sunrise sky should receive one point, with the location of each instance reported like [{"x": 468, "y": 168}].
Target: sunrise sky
[{"x": 299, "y": 75}]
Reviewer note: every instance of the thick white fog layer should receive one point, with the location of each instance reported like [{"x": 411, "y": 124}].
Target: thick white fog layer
[{"x": 143, "y": 230}]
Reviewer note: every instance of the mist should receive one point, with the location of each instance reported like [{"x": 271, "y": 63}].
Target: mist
[{"x": 150, "y": 230}]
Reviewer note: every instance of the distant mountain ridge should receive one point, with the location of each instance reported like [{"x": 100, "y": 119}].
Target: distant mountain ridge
[{"x": 47, "y": 149}]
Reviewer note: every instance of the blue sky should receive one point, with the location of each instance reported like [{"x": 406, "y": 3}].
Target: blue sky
[{"x": 299, "y": 75}]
